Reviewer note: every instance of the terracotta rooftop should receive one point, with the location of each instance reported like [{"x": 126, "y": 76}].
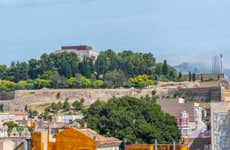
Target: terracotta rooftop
[
  {"x": 99, "y": 138},
  {"x": 172, "y": 107},
  {"x": 17, "y": 113},
  {"x": 80, "y": 47}
]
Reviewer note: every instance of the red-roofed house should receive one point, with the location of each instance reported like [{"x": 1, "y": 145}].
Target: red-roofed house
[{"x": 83, "y": 51}]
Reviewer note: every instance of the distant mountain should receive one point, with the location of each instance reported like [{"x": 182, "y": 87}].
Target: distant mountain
[
  {"x": 227, "y": 72},
  {"x": 185, "y": 67}
]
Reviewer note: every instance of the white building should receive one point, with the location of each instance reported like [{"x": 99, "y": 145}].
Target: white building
[
  {"x": 68, "y": 118},
  {"x": 220, "y": 122},
  {"x": 83, "y": 51}
]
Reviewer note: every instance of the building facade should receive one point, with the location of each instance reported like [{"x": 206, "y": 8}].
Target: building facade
[
  {"x": 74, "y": 138},
  {"x": 83, "y": 51},
  {"x": 183, "y": 123},
  {"x": 220, "y": 122}
]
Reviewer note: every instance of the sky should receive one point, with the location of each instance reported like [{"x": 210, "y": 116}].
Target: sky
[{"x": 176, "y": 30}]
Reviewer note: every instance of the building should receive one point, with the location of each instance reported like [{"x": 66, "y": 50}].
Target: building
[
  {"x": 17, "y": 117},
  {"x": 68, "y": 118},
  {"x": 189, "y": 116},
  {"x": 183, "y": 123},
  {"x": 152, "y": 147},
  {"x": 83, "y": 51},
  {"x": 73, "y": 138},
  {"x": 20, "y": 115},
  {"x": 220, "y": 123},
  {"x": 6, "y": 144}
]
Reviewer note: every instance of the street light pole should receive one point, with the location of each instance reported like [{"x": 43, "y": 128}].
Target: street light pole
[
  {"x": 155, "y": 144},
  {"x": 174, "y": 145}
]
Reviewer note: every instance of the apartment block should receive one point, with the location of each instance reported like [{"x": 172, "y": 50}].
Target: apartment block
[{"x": 220, "y": 123}]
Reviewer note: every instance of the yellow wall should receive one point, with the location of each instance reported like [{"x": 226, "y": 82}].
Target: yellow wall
[
  {"x": 71, "y": 139},
  {"x": 37, "y": 141},
  {"x": 52, "y": 146},
  {"x": 68, "y": 139}
]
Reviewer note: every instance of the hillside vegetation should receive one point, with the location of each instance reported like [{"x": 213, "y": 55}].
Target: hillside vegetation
[{"x": 65, "y": 70}]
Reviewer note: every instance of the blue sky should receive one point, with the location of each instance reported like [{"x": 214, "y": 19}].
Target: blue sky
[{"x": 176, "y": 30}]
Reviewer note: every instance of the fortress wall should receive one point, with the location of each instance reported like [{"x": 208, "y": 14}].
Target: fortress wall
[
  {"x": 33, "y": 97},
  {"x": 7, "y": 95},
  {"x": 202, "y": 94},
  {"x": 20, "y": 98}
]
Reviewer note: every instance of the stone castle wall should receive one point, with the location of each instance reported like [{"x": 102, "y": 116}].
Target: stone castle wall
[
  {"x": 18, "y": 99},
  {"x": 206, "y": 94},
  {"x": 34, "y": 97}
]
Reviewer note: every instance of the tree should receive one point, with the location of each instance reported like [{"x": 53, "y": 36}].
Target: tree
[
  {"x": 165, "y": 68},
  {"x": 1, "y": 107},
  {"x": 180, "y": 75},
  {"x": 136, "y": 120},
  {"x": 98, "y": 84},
  {"x": 10, "y": 126},
  {"x": 106, "y": 61},
  {"x": 190, "y": 76},
  {"x": 41, "y": 83},
  {"x": 3, "y": 72},
  {"x": 150, "y": 63},
  {"x": 139, "y": 81},
  {"x": 79, "y": 82},
  {"x": 32, "y": 113},
  {"x": 26, "y": 109},
  {"x": 25, "y": 85},
  {"x": 193, "y": 77},
  {"x": 78, "y": 105},
  {"x": 133, "y": 64},
  {"x": 56, "y": 80},
  {"x": 6, "y": 85},
  {"x": 35, "y": 68},
  {"x": 21, "y": 71},
  {"x": 114, "y": 79},
  {"x": 85, "y": 69},
  {"x": 64, "y": 69},
  {"x": 66, "y": 106},
  {"x": 66, "y": 63}
]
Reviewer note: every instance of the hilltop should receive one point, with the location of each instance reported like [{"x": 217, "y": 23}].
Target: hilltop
[{"x": 68, "y": 70}]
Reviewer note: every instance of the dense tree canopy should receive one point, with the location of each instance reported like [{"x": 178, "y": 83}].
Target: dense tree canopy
[
  {"x": 65, "y": 70},
  {"x": 136, "y": 120}
]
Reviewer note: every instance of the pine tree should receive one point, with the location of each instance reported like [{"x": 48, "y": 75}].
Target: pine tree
[
  {"x": 193, "y": 77},
  {"x": 165, "y": 68},
  {"x": 180, "y": 75},
  {"x": 190, "y": 76}
]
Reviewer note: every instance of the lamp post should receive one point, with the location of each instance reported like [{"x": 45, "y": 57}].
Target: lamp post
[
  {"x": 155, "y": 144},
  {"x": 124, "y": 141},
  {"x": 174, "y": 145}
]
